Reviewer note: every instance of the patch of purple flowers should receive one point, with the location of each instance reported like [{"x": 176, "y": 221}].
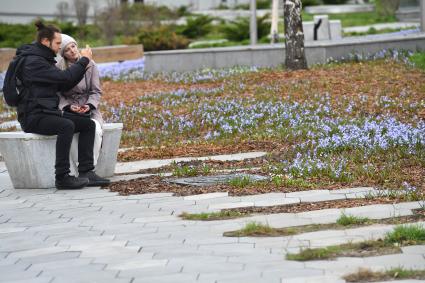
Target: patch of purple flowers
[{"x": 125, "y": 70}]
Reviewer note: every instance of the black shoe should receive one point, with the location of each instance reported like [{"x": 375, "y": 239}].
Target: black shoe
[
  {"x": 94, "y": 180},
  {"x": 71, "y": 183}
]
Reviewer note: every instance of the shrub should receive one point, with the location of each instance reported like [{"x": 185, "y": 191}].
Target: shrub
[
  {"x": 239, "y": 30},
  {"x": 161, "y": 38},
  {"x": 182, "y": 11},
  {"x": 197, "y": 26},
  {"x": 413, "y": 234},
  {"x": 14, "y": 35},
  {"x": 418, "y": 59},
  {"x": 310, "y": 3},
  {"x": 263, "y": 4},
  {"x": 386, "y": 8},
  {"x": 333, "y": 2},
  {"x": 347, "y": 220}
]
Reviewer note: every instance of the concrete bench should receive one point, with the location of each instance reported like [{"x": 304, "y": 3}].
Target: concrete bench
[{"x": 30, "y": 158}]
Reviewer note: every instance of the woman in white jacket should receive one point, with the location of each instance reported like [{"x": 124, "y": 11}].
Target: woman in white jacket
[{"x": 84, "y": 98}]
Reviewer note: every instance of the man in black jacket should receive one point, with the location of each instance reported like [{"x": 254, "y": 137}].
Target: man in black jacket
[{"x": 38, "y": 111}]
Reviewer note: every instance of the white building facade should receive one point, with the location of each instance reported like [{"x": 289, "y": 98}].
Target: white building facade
[{"x": 24, "y": 11}]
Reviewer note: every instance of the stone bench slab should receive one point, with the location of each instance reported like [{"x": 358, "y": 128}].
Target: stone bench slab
[{"x": 30, "y": 158}]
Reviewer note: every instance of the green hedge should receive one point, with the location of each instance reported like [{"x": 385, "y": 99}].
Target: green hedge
[
  {"x": 14, "y": 35},
  {"x": 238, "y": 30},
  {"x": 161, "y": 38}
]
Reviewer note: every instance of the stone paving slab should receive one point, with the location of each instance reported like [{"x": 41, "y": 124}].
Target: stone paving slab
[
  {"x": 128, "y": 167},
  {"x": 315, "y": 279},
  {"x": 404, "y": 281},
  {"x": 345, "y": 265},
  {"x": 207, "y": 196},
  {"x": 93, "y": 235},
  {"x": 174, "y": 277},
  {"x": 230, "y": 205},
  {"x": 41, "y": 279}
]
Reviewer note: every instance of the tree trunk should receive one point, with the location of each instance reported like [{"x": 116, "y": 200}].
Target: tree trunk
[{"x": 294, "y": 36}]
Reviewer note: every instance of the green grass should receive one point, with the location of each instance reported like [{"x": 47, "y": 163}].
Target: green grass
[
  {"x": 402, "y": 235},
  {"x": 367, "y": 275},
  {"x": 189, "y": 171},
  {"x": 407, "y": 235},
  {"x": 209, "y": 216},
  {"x": 347, "y": 220},
  {"x": 355, "y": 19},
  {"x": 418, "y": 59},
  {"x": 185, "y": 171},
  {"x": 373, "y": 247},
  {"x": 312, "y": 254},
  {"x": 253, "y": 229},
  {"x": 241, "y": 182},
  {"x": 281, "y": 181}
]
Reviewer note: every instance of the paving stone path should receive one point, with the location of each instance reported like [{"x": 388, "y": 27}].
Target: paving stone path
[{"x": 93, "y": 235}]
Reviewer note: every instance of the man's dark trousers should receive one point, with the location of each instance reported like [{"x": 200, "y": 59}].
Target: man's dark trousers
[{"x": 65, "y": 128}]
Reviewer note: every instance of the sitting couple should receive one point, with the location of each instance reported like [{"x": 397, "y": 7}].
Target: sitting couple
[{"x": 75, "y": 110}]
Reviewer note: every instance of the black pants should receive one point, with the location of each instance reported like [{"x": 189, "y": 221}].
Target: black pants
[{"x": 65, "y": 128}]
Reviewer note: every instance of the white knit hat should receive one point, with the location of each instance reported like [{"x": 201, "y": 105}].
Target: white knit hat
[{"x": 66, "y": 39}]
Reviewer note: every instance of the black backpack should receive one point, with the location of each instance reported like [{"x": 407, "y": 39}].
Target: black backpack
[{"x": 13, "y": 87}]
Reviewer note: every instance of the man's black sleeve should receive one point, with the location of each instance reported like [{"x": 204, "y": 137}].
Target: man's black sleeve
[{"x": 42, "y": 72}]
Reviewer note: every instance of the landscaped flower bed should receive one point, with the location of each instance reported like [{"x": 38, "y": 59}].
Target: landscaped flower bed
[
  {"x": 354, "y": 123},
  {"x": 335, "y": 125}
]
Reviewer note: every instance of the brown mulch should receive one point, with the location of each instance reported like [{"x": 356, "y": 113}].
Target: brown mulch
[
  {"x": 309, "y": 206},
  {"x": 189, "y": 150},
  {"x": 157, "y": 184}
]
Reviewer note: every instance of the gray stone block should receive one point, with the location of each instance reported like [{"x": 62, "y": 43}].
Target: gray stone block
[
  {"x": 211, "y": 267},
  {"x": 42, "y": 279},
  {"x": 151, "y": 271},
  {"x": 286, "y": 273},
  {"x": 23, "y": 276},
  {"x": 414, "y": 250},
  {"x": 30, "y": 158},
  {"x": 407, "y": 261},
  {"x": 108, "y": 154},
  {"x": 230, "y": 205},
  {"x": 167, "y": 278},
  {"x": 140, "y": 263},
  {"x": 47, "y": 258},
  {"x": 325, "y": 197},
  {"x": 314, "y": 279},
  {"x": 244, "y": 276},
  {"x": 38, "y": 252},
  {"x": 52, "y": 265}
]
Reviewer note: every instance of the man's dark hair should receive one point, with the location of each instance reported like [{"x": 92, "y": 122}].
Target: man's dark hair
[{"x": 44, "y": 31}]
